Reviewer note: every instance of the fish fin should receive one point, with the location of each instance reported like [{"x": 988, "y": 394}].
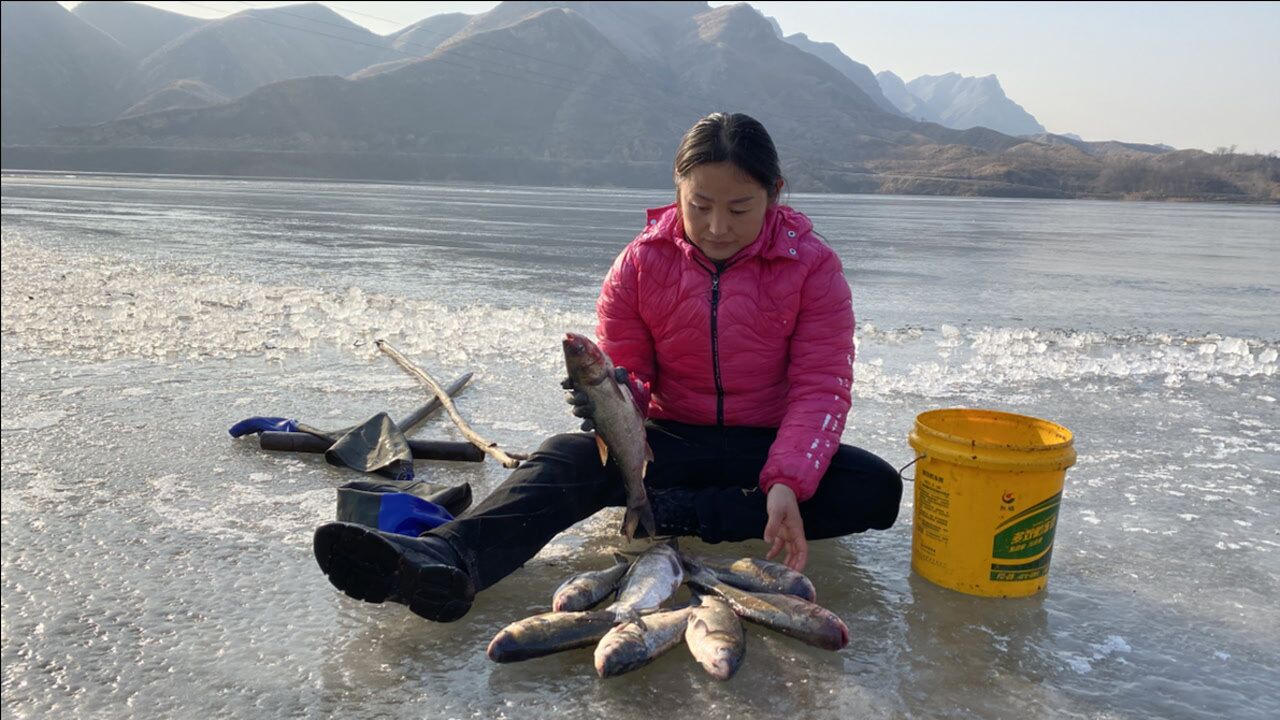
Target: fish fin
[
  {"x": 648, "y": 452},
  {"x": 619, "y": 557},
  {"x": 604, "y": 450},
  {"x": 637, "y": 617},
  {"x": 624, "y": 615},
  {"x": 692, "y": 562}
]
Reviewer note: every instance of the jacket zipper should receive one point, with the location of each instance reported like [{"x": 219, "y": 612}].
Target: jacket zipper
[
  {"x": 715, "y": 334},
  {"x": 715, "y": 346}
]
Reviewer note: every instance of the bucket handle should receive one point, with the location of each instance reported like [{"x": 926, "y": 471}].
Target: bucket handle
[{"x": 904, "y": 468}]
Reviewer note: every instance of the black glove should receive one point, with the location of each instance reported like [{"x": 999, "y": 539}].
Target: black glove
[{"x": 583, "y": 407}]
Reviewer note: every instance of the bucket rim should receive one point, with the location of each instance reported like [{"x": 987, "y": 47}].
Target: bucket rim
[{"x": 923, "y": 426}]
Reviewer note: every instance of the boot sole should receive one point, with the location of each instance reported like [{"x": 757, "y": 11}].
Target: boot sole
[{"x": 367, "y": 567}]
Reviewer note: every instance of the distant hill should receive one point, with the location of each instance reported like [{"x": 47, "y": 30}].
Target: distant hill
[
  {"x": 56, "y": 69},
  {"x": 583, "y": 101},
  {"x": 253, "y": 48},
  {"x": 443, "y": 105},
  {"x": 1099, "y": 149},
  {"x": 963, "y": 102},
  {"x": 545, "y": 93},
  {"x": 418, "y": 40},
  {"x": 141, "y": 29},
  {"x": 428, "y": 34},
  {"x": 732, "y": 59},
  {"x": 896, "y": 92},
  {"x": 179, "y": 94},
  {"x": 640, "y": 30},
  {"x": 860, "y": 74}
]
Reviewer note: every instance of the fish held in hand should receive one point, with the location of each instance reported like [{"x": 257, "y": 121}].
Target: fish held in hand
[
  {"x": 549, "y": 633},
  {"x": 759, "y": 576},
  {"x": 633, "y": 645},
  {"x": 584, "y": 590},
  {"x": 787, "y": 614},
  {"x": 715, "y": 637},
  {"x": 619, "y": 425}
]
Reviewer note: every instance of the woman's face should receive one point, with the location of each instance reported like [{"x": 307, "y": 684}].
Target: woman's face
[{"x": 722, "y": 208}]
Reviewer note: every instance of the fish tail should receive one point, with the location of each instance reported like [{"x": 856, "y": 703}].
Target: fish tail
[{"x": 637, "y": 516}]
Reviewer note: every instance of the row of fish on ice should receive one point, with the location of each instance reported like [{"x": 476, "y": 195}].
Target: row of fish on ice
[{"x": 635, "y": 629}]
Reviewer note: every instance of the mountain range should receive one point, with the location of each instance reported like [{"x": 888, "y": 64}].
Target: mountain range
[
  {"x": 542, "y": 92},
  {"x": 958, "y": 102}
]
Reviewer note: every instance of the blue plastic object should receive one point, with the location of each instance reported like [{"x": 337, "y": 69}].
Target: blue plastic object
[
  {"x": 262, "y": 424},
  {"x": 406, "y": 514}
]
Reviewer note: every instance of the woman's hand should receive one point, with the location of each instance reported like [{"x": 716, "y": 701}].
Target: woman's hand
[
  {"x": 785, "y": 528},
  {"x": 583, "y": 407}
]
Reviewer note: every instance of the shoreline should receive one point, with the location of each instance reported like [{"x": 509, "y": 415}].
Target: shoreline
[{"x": 522, "y": 172}]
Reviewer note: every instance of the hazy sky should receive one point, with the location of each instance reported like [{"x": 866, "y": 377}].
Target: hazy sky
[{"x": 1200, "y": 75}]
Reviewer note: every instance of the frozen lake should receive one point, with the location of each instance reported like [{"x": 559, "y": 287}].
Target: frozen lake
[{"x": 154, "y": 567}]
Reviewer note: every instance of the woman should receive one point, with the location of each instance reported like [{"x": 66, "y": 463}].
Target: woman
[{"x": 733, "y": 322}]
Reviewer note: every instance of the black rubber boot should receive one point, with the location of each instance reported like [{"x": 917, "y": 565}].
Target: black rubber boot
[
  {"x": 424, "y": 573},
  {"x": 674, "y": 511}
]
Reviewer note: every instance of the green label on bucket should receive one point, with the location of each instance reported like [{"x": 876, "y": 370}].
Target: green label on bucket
[
  {"x": 1026, "y": 571},
  {"x": 1029, "y": 534}
]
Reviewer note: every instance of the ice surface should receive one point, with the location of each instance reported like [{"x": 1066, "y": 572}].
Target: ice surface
[{"x": 155, "y": 567}]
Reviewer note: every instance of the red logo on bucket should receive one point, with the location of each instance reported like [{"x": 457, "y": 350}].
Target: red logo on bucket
[{"x": 1007, "y": 500}]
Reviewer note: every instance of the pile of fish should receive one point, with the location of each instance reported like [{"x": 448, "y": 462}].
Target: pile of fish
[{"x": 635, "y": 629}]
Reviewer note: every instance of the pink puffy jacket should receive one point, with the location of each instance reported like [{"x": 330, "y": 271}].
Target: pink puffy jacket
[{"x": 765, "y": 342}]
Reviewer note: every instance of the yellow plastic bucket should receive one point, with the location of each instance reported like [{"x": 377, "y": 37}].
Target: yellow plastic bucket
[{"x": 988, "y": 486}]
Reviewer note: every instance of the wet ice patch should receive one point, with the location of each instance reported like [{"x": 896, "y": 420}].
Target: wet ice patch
[
  {"x": 1113, "y": 645},
  {"x": 239, "y": 512},
  {"x": 33, "y": 421},
  {"x": 1077, "y": 663}
]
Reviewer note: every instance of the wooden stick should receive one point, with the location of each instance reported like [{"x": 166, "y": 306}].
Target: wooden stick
[
  {"x": 433, "y": 406},
  {"x": 508, "y": 461}
]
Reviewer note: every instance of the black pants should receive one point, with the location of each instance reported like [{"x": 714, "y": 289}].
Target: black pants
[{"x": 564, "y": 482}]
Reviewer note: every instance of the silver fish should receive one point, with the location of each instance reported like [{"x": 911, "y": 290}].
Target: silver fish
[
  {"x": 549, "y": 633},
  {"x": 715, "y": 637},
  {"x": 655, "y": 577},
  {"x": 619, "y": 426},
  {"x": 632, "y": 645},
  {"x": 584, "y": 590},
  {"x": 759, "y": 576},
  {"x": 787, "y": 614}
]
